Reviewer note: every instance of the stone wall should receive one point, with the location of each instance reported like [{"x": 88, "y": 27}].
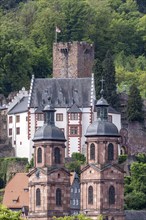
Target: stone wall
[{"x": 72, "y": 59}]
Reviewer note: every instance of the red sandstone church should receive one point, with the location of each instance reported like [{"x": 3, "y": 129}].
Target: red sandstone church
[{"x": 102, "y": 190}]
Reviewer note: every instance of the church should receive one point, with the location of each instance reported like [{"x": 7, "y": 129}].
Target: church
[{"x": 102, "y": 186}]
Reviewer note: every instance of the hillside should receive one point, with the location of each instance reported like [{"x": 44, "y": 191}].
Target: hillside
[{"x": 28, "y": 32}]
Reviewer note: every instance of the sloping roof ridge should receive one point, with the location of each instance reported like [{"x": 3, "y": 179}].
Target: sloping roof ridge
[
  {"x": 30, "y": 91},
  {"x": 58, "y": 168},
  {"x": 15, "y": 176},
  {"x": 74, "y": 108}
]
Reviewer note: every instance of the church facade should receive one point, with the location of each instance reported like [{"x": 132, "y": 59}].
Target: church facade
[{"x": 102, "y": 179}]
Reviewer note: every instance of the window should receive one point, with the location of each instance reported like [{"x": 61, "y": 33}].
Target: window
[
  {"x": 59, "y": 117},
  {"x": 58, "y": 197},
  {"x": 17, "y": 130},
  {"x": 10, "y": 131},
  {"x": 92, "y": 152},
  {"x": 57, "y": 155},
  {"x": 10, "y": 119},
  {"x": 77, "y": 202},
  {"x": 73, "y": 201},
  {"x": 74, "y": 116},
  {"x": 17, "y": 118},
  {"x": 111, "y": 195},
  {"x": 40, "y": 117},
  {"x": 110, "y": 152},
  {"x": 110, "y": 118},
  {"x": 90, "y": 195},
  {"x": 74, "y": 130},
  {"x": 76, "y": 190},
  {"x": 26, "y": 118},
  {"x": 38, "y": 197},
  {"x": 72, "y": 190},
  {"x": 39, "y": 155}
]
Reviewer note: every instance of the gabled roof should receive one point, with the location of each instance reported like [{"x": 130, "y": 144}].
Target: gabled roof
[
  {"x": 16, "y": 192},
  {"x": 74, "y": 109},
  {"x": 62, "y": 92},
  {"x": 20, "y": 107},
  {"x": 103, "y": 167},
  {"x": 73, "y": 176}
]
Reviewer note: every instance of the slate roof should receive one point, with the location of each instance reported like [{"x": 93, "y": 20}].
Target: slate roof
[
  {"x": 61, "y": 92},
  {"x": 20, "y": 107},
  {"x": 135, "y": 215},
  {"x": 74, "y": 109}
]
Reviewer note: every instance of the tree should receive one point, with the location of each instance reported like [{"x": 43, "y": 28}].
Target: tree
[
  {"x": 77, "y": 160},
  {"x": 97, "y": 76},
  {"x": 135, "y": 105},
  {"x": 110, "y": 89},
  {"x": 7, "y": 214}
]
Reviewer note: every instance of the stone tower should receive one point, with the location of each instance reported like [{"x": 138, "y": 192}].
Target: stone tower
[
  {"x": 49, "y": 181},
  {"x": 72, "y": 60},
  {"x": 102, "y": 179}
]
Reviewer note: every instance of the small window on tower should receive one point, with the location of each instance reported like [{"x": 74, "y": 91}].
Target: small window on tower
[
  {"x": 92, "y": 152},
  {"x": 110, "y": 152},
  {"x": 39, "y": 155}
]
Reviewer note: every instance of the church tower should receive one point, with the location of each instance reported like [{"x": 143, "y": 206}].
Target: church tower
[
  {"x": 102, "y": 179},
  {"x": 49, "y": 181}
]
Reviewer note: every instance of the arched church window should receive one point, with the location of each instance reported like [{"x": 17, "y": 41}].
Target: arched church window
[
  {"x": 38, "y": 197},
  {"x": 111, "y": 195},
  {"x": 110, "y": 152},
  {"x": 39, "y": 155},
  {"x": 57, "y": 155},
  {"x": 90, "y": 195},
  {"x": 58, "y": 197},
  {"x": 92, "y": 152}
]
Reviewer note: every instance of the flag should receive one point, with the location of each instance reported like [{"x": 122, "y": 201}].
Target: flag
[{"x": 58, "y": 30}]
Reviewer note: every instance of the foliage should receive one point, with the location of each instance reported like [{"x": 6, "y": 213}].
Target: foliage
[
  {"x": 122, "y": 158},
  {"x": 28, "y": 32},
  {"x": 77, "y": 159},
  {"x": 7, "y": 214},
  {"x": 110, "y": 81},
  {"x": 30, "y": 164},
  {"x": 135, "y": 105},
  {"x": 5, "y": 164},
  {"x": 75, "y": 217},
  {"x": 134, "y": 185}
]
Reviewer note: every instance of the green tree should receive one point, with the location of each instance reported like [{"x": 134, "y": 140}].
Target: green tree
[
  {"x": 110, "y": 89},
  {"x": 135, "y": 105},
  {"x": 7, "y": 214},
  {"x": 97, "y": 76},
  {"x": 75, "y": 163}
]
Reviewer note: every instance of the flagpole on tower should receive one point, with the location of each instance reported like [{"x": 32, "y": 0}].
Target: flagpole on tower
[{"x": 57, "y": 30}]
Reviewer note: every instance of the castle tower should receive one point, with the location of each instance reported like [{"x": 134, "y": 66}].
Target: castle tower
[
  {"x": 49, "y": 181},
  {"x": 72, "y": 60},
  {"x": 102, "y": 179}
]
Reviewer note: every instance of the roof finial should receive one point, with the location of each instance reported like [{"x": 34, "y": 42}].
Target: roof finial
[{"x": 102, "y": 91}]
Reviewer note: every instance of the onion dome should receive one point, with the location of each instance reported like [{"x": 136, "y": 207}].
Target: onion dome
[
  {"x": 102, "y": 127},
  {"x": 49, "y": 131}
]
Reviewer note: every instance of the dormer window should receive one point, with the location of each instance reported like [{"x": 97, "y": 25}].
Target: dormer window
[{"x": 74, "y": 116}]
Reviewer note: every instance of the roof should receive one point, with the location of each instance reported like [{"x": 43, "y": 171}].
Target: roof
[
  {"x": 112, "y": 110},
  {"x": 61, "y": 92},
  {"x": 74, "y": 109},
  {"x": 135, "y": 215},
  {"x": 102, "y": 128},
  {"x": 16, "y": 192},
  {"x": 20, "y": 107}
]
